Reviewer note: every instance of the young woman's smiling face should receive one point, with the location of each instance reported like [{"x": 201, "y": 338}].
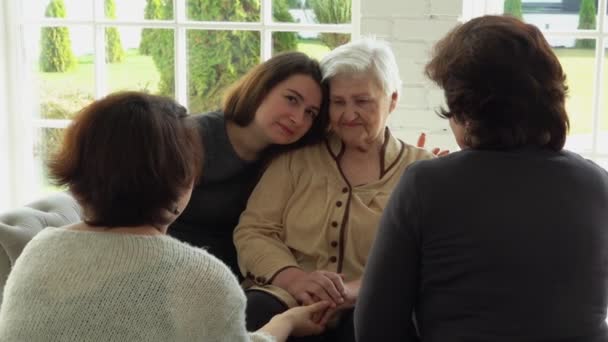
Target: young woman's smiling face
[{"x": 289, "y": 109}]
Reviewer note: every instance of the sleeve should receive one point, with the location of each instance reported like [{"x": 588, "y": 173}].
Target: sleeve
[
  {"x": 385, "y": 306},
  {"x": 235, "y": 330},
  {"x": 259, "y": 236}
]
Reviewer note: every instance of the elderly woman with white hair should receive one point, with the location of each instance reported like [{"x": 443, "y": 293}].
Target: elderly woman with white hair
[{"x": 311, "y": 220}]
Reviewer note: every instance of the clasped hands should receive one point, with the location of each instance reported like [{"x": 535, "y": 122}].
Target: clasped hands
[{"x": 311, "y": 287}]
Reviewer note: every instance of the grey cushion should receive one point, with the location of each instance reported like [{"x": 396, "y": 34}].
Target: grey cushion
[{"x": 18, "y": 227}]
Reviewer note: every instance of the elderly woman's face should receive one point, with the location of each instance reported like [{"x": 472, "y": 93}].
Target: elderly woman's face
[{"x": 359, "y": 108}]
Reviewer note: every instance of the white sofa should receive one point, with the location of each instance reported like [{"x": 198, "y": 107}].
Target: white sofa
[{"x": 19, "y": 226}]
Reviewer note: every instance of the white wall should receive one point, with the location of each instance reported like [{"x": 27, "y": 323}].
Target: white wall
[{"x": 412, "y": 27}]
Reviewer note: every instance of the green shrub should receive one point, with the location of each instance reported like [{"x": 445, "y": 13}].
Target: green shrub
[
  {"x": 586, "y": 21},
  {"x": 216, "y": 59},
  {"x": 154, "y": 10},
  {"x": 56, "y": 51},
  {"x": 114, "y": 50},
  {"x": 332, "y": 12},
  {"x": 513, "y": 8}
]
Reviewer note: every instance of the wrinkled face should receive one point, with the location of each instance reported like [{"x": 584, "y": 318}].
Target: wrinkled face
[
  {"x": 289, "y": 109},
  {"x": 458, "y": 130},
  {"x": 359, "y": 108}
]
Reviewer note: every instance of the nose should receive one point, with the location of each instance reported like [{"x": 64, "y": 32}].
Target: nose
[
  {"x": 297, "y": 117},
  {"x": 349, "y": 112}
]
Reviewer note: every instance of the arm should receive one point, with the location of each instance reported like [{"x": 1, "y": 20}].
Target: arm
[
  {"x": 390, "y": 281},
  {"x": 259, "y": 236}
]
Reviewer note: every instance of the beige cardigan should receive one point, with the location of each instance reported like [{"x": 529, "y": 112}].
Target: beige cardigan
[{"x": 304, "y": 213}]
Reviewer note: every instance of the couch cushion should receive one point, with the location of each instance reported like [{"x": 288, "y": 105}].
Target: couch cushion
[{"x": 17, "y": 227}]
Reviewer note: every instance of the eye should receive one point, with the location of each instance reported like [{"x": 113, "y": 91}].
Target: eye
[
  {"x": 291, "y": 99},
  {"x": 337, "y": 102},
  {"x": 312, "y": 113},
  {"x": 362, "y": 101}
]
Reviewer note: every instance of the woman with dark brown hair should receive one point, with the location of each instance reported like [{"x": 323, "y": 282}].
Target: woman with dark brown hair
[
  {"x": 278, "y": 105},
  {"x": 131, "y": 161},
  {"x": 507, "y": 239}
]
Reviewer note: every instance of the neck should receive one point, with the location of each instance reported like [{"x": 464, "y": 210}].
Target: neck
[
  {"x": 367, "y": 148},
  {"x": 245, "y": 142},
  {"x": 136, "y": 230}
]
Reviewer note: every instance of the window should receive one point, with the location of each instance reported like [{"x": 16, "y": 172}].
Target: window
[
  {"x": 70, "y": 52},
  {"x": 579, "y": 37}
]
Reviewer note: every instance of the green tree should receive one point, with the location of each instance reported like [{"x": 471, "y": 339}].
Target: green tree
[
  {"x": 586, "y": 21},
  {"x": 216, "y": 58},
  {"x": 56, "y": 51},
  {"x": 114, "y": 50},
  {"x": 332, "y": 12},
  {"x": 154, "y": 10},
  {"x": 283, "y": 41},
  {"x": 513, "y": 8}
]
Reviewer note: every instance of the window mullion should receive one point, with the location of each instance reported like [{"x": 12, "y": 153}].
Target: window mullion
[
  {"x": 99, "y": 39},
  {"x": 598, "y": 79},
  {"x": 180, "y": 53},
  {"x": 266, "y": 33}
]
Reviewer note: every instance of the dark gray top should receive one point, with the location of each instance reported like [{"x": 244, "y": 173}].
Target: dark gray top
[
  {"x": 491, "y": 246},
  {"x": 220, "y": 197}
]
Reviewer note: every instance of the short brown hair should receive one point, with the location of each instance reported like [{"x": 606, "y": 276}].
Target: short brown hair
[
  {"x": 245, "y": 96},
  {"x": 502, "y": 79},
  {"x": 127, "y": 158}
]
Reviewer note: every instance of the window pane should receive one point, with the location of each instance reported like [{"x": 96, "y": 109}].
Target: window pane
[
  {"x": 212, "y": 70},
  {"x": 48, "y": 140},
  {"x": 313, "y": 44},
  {"x": 65, "y": 70},
  {"x": 130, "y": 65},
  {"x": 71, "y": 9},
  {"x": 207, "y": 10},
  {"x": 312, "y": 11},
  {"x": 556, "y": 15},
  {"x": 577, "y": 58},
  {"x": 602, "y": 142},
  {"x": 603, "y": 162},
  {"x": 135, "y": 9}
]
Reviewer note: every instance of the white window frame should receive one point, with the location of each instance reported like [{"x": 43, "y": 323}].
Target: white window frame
[
  {"x": 475, "y": 8},
  {"x": 17, "y": 144}
]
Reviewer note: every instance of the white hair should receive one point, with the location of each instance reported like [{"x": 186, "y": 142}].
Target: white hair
[{"x": 367, "y": 54}]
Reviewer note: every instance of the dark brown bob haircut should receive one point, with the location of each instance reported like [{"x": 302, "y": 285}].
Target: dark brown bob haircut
[
  {"x": 502, "y": 80},
  {"x": 245, "y": 96},
  {"x": 127, "y": 158}
]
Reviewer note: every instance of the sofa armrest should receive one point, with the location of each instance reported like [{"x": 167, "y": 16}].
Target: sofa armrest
[{"x": 18, "y": 227}]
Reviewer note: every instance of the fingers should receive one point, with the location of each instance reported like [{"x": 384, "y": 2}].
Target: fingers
[
  {"x": 327, "y": 289},
  {"x": 421, "y": 140},
  {"x": 435, "y": 151},
  {"x": 337, "y": 280},
  {"x": 304, "y": 298},
  {"x": 443, "y": 153},
  {"x": 327, "y": 314}
]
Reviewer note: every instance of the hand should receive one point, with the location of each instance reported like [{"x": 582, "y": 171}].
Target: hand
[
  {"x": 300, "y": 319},
  {"x": 436, "y": 151},
  {"x": 350, "y": 299},
  {"x": 308, "y": 288}
]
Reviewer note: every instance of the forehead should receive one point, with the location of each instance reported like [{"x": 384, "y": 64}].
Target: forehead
[{"x": 351, "y": 84}]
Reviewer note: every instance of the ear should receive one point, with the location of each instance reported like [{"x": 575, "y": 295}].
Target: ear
[{"x": 394, "y": 100}]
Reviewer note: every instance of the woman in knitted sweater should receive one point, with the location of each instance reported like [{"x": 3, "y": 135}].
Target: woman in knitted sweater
[{"x": 131, "y": 160}]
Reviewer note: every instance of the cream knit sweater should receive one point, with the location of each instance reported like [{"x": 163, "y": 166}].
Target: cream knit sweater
[{"x": 94, "y": 286}]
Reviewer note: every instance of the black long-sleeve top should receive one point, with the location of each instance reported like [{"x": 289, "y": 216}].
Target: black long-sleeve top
[{"x": 491, "y": 246}]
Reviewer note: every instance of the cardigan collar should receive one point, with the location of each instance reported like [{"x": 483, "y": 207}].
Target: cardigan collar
[{"x": 391, "y": 152}]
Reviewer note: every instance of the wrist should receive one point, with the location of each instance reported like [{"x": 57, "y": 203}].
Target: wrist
[
  {"x": 283, "y": 320},
  {"x": 287, "y": 276}
]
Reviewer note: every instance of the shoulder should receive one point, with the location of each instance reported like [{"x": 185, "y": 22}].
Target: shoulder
[{"x": 210, "y": 119}]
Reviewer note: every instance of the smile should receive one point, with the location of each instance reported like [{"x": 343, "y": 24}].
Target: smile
[{"x": 285, "y": 129}]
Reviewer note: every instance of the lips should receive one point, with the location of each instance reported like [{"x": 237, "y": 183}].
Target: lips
[{"x": 285, "y": 129}]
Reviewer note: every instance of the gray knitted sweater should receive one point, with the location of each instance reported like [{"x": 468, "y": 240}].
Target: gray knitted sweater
[{"x": 94, "y": 286}]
